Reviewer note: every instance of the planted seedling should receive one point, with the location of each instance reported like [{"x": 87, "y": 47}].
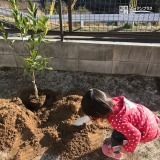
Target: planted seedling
[{"x": 35, "y": 28}]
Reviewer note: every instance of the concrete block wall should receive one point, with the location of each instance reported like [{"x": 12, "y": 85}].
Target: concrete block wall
[{"x": 93, "y": 56}]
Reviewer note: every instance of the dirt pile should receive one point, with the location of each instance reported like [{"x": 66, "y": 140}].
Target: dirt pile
[
  {"x": 18, "y": 127},
  {"x": 26, "y": 134}
]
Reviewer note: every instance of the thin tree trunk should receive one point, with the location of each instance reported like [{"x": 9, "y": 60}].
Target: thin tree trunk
[
  {"x": 73, "y": 4},
  {"x": 34, "y": 85},
  {"x": 52, "y": 7}
]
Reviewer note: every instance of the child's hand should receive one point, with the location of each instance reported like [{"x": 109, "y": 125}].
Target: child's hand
[{"x": 122, "y": 149}]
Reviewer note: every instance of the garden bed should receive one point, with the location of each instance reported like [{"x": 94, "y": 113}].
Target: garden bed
[{"x": 48, "y": 133}]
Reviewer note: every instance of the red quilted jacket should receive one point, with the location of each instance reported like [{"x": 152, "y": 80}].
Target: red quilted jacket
[{"x": 134, "y": 121}]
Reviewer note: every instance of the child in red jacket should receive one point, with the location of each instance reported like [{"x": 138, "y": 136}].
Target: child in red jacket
[{"x": 132, "y": 123}]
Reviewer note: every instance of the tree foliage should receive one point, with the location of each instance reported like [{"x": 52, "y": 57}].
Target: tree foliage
[{"x": 38, "y": 26}]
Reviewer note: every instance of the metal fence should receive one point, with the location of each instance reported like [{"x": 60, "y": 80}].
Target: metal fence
[{"x": 111, "y": 18}]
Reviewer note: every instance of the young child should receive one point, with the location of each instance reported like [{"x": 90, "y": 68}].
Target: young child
[{"x": 132, "y": 123}]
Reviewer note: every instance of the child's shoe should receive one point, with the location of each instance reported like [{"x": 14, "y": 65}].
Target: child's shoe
[{"x": 108, "y": 151}]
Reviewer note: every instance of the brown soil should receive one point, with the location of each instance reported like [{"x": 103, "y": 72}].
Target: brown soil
[
  {"x": 37, "y": 102},
  {"x": 26, "y": 134},
  {"x": 48, "y": 133}
]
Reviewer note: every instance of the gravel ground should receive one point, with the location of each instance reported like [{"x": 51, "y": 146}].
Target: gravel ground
[{"x": 140, "y": 89}]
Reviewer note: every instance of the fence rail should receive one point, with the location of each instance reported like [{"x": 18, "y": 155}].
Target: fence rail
[{"x": 120, "y": 18}]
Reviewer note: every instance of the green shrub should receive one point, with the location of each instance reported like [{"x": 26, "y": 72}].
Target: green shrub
[{"x": 127, "y": 26}]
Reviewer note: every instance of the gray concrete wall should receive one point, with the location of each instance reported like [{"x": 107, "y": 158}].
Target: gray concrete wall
[{"x": 92, "y": 56}]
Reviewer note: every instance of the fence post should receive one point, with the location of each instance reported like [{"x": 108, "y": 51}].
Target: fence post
[
  {"x": 69, "y": 16},
  {"x": 60, "y": 18}
]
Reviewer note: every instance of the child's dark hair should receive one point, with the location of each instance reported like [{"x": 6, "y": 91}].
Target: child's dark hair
[{"x": 96, "y": 103}]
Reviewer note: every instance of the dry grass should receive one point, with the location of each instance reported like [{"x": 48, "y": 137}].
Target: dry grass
[{"x": 6, "y": 19}]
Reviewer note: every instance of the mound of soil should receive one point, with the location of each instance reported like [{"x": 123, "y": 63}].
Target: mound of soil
[{"x": 26, "y": 134}]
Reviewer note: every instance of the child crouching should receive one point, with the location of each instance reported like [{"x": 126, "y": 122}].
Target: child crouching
[{"x": 133, "y": 123}]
